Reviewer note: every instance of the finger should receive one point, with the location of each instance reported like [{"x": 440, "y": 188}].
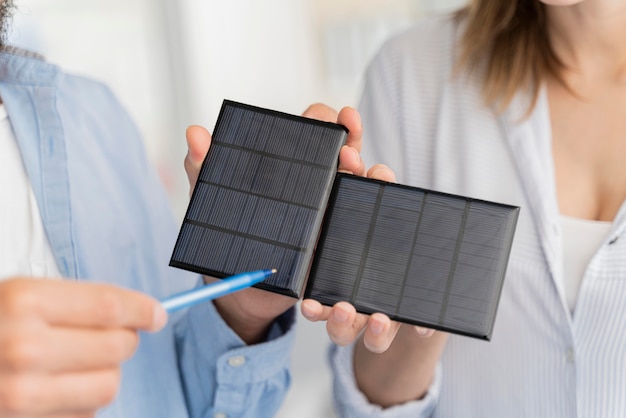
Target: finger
[
  {"x": 82, "y": 392},
  {"x": 72, "y": 415},
  {"x": 379, "y": 333},
  {"x": 198, "y": 143},
  {"x": 381, "y": 172},
  {"x": 351, "y": 119},
  {"x": 424, "y": 332},
  {"x": 74, "y": 393},
  {"x": 350, "y": 161},
  {"x": 344, "y": 324},
  {"x": 314, "y": 311},
  {"x": 61, "y": 350},
  {"x": 321, "y": 112},
  {"x": 69, "y": 303}
]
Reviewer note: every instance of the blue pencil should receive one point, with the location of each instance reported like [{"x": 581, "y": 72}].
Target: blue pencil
[{"x": 214, "y": 290}]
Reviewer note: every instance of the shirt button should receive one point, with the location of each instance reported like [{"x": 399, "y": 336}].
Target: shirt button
[
  {"x": 237, "y": 361},
  {"x": 219, "y": 415},
  {"x": 570, "y": 356}
]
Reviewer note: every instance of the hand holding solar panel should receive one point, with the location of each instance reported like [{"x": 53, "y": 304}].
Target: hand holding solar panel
[{"x": 269, "y": 195}]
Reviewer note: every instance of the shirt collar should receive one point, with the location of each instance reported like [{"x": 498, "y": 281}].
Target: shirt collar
[{"x": 22, "y": 66}]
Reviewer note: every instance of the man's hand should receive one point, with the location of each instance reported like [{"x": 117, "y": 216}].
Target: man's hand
[
  {"x": 62, "y": 344},
  {"x": 250, "y": 312}
]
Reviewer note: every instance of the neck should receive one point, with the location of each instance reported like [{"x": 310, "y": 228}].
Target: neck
[{"x": 590, "y": 38}]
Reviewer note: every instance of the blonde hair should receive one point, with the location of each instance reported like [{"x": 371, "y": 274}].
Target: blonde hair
[{"x": 506, "y": 42}]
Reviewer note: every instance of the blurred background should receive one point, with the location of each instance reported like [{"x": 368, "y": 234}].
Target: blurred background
[{"x": 172, "y": 62}]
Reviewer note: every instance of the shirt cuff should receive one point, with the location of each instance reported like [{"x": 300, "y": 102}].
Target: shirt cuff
[{"x": 349, "y": 401}]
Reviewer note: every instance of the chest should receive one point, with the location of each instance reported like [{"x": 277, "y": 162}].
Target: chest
[{"x": 589, "y": 145}]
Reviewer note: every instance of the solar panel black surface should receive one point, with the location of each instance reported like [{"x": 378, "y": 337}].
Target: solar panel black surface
[
  {"x": 420, "y": 256},
  {"x": 260, "y": 197}
]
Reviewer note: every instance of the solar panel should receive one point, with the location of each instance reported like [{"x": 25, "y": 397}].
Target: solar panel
[
  {"x": 417, "y": 255},
  {"x": 269, "y": 187},
  {"x": 260, "y": 196}
]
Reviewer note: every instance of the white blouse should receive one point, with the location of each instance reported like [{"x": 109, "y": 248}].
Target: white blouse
[
  {"x": 24, "y": 246},
  {"x": 581, "y": 239}
]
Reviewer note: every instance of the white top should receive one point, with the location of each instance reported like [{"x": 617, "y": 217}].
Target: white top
[
  {"x": 542, "y": 361},
  {"x": 24, "y": 246},
  {"x": 581, "y": 239}
]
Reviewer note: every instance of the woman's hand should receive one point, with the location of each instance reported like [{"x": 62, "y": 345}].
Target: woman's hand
[{"x": 393, "y": 362}]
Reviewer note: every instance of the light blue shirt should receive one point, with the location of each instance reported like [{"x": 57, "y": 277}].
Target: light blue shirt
[
  {"x": 107, "y": 219},
  {"x": 543, "y": 361}
]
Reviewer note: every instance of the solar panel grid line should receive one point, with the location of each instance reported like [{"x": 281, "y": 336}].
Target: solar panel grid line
[
  {"x": 219, "y": 211},
  {"x": 246, "y": 236},
  {"x": 195, "y": 211},
  {"x": 207, "y": 240},
  {"x": 452, "y": 271},
  {"x": 221, "y": 186},
  {"x": 225, "y": 120},
  {"x": 195, "y": 244},
  {"x": 227, "y": 146},
  {"x": 459, "y": 302},
  {"x": 438, "y": 250},
  {"x": 182, "y": 243},
  {"x": 366, "y": 245},
  {"x": 251, "y": 207},
  {"x": 416, "y": 231},
  {"x": 264, "y": 182},
  {"x": 342, "y": 250},
  {"x": 284, "y": 129},
  {"x": 243, "y": 128},
  {"x": 245, "y": 159},
  {"x": 229, "y": 253},
  {"x": 479, "y": 247},
  {"x": 229, "y": 201},
  {"x": 478, "y": 261},
  {"x": 266, "y": 224},
  {"x": 213, "y": 171},
  {"x": 202, "y": 250},
  {"x": 306, "y": 150},
  {"x": 326, "y": 154}
]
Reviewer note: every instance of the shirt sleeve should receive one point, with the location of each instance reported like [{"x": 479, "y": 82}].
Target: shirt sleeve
[
  {"x": 222, "y": 375},
  {"x": 349, "y": 401}
]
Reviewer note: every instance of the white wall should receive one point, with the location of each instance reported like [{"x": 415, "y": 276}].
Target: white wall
[
  {"x": 122, "y": 43},
  {"x": 172, "y": 62}
]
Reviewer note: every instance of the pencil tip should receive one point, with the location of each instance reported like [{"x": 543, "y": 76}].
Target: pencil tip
[{"x": 274, "y": 270}]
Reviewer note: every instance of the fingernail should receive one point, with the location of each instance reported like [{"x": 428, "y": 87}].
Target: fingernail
[
  {"x": 422, "y": 331},
  {"x": 356, "y": 153},
  {"x": 376, "y": 327},
  {"x": 306, "y": 312},
  {"x": 340, "y": 316},
  {"x": 159, "y": 318}
]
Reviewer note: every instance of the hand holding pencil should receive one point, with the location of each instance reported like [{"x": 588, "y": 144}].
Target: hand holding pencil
[{"x": 214, "y": 290}]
